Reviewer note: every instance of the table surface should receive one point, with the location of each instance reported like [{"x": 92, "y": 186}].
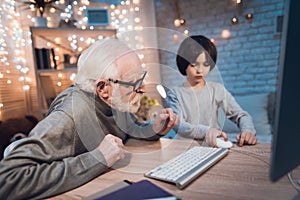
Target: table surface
[{"x": 242, "y": 174}]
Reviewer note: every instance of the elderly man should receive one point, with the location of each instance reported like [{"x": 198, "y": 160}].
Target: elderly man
[{"x": 86, "y": 126}]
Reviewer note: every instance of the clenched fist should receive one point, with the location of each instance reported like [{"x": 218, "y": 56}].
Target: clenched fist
[{"x": 112, "y": 149}]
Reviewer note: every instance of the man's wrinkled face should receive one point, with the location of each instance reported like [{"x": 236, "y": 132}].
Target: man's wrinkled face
[{"x": 127, "y": 89}]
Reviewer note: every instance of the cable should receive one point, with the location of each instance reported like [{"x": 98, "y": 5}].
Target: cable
[
  {"x": 257, "y": 156},
  {"x": 252, "y": 154},
  {"x": 293, "y": 182}
]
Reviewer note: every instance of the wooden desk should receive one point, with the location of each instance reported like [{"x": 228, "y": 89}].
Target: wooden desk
[{"x": 242, "y": 174}]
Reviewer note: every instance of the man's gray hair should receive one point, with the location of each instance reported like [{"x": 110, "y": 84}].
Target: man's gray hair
[{"x": 97, "y": 62}]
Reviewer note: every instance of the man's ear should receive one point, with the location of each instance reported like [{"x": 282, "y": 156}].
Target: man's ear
[{"x": 102, "y": 90}]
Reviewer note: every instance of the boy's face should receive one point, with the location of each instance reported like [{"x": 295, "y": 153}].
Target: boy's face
[{"x": 196, "y": 72}]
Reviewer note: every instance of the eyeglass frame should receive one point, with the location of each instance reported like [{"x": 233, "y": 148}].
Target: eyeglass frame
[{"x": 136, "y": 85}]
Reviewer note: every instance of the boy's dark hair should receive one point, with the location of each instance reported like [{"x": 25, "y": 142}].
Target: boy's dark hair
[{"x": 191, "y": 48}]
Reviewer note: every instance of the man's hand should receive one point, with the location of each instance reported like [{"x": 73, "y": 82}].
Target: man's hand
[
  {"x": 246, "y": 137},
  {"x": 112, "y": 149},
  {"x": 165, "y": 121},
  {"x": 211, "y": 136}
]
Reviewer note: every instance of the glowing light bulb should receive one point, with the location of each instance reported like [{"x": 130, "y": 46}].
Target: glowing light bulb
[
  {"x": 213, "y": 41},
  {"x": 178, "y": 22},
  {"x": 141, "y": 56},
  {"x": 26, "y": 87},
  {"x": 175, "y": 37},
  {"x": 137, "y": 20},
  {"x": 234, "y": 20},
  {"x": 72, "y": 76},
  {"x": 52, "y": 10},
  {"x": 21, "y": 78},
  {"x": 73, "y": 59},
  {"x": 226, "y": 34}
]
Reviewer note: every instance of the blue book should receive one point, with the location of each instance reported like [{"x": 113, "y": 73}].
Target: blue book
[{"x": 136, "y": 191}]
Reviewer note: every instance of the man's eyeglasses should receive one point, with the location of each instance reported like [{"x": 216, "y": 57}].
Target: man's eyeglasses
[{"x": 136, "y": 85}]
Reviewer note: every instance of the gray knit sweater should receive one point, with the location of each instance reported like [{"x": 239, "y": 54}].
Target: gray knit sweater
[
  {"x": 198, "y": 109},
  {"x": 61, "y": 153}
]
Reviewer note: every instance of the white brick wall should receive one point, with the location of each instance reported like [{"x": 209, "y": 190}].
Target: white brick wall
[{"x": 248, "y": 61}]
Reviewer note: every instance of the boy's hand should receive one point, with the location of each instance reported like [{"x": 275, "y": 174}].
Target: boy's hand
[
  {"x": 211, "y": 136},
  {"x": 246, "y": 137}
]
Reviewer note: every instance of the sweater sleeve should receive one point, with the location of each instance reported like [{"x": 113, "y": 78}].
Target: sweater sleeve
[
  {"x": 236, "y": 114},
  {"x": 184, "y": 128},
  {"x": 45, "y": 164},
  {"x": 128, "y": 123}
]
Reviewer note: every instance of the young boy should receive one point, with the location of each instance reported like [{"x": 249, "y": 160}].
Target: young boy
[{"x": 197, "y": 101}]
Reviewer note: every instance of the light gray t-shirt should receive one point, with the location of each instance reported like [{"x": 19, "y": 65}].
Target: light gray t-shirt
[{"x": 198, "y": 109}]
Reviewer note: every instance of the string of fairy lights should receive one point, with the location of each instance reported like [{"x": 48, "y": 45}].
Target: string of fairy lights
[
  {"x": 12, "y": 48},
  {"x": 12, "y": 43},
  {"x": 123, "y": 17},
  {"x": 14, "y": 38}
]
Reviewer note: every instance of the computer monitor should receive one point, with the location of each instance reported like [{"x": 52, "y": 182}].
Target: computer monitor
[{"x": 286, "y": 138}]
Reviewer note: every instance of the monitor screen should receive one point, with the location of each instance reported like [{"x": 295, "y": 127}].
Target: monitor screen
[
  {"x": 286, "y": 138},
  {"x": 97, "y": 16}
]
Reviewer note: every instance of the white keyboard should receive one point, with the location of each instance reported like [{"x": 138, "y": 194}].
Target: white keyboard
[{"x": 187, "y": 166}]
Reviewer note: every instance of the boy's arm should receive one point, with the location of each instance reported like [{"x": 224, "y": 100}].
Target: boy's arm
[
  {"x": 184, "y": 128},
  {"x": 241, "y": 118},
  {"x": 236, "y": 114}
]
